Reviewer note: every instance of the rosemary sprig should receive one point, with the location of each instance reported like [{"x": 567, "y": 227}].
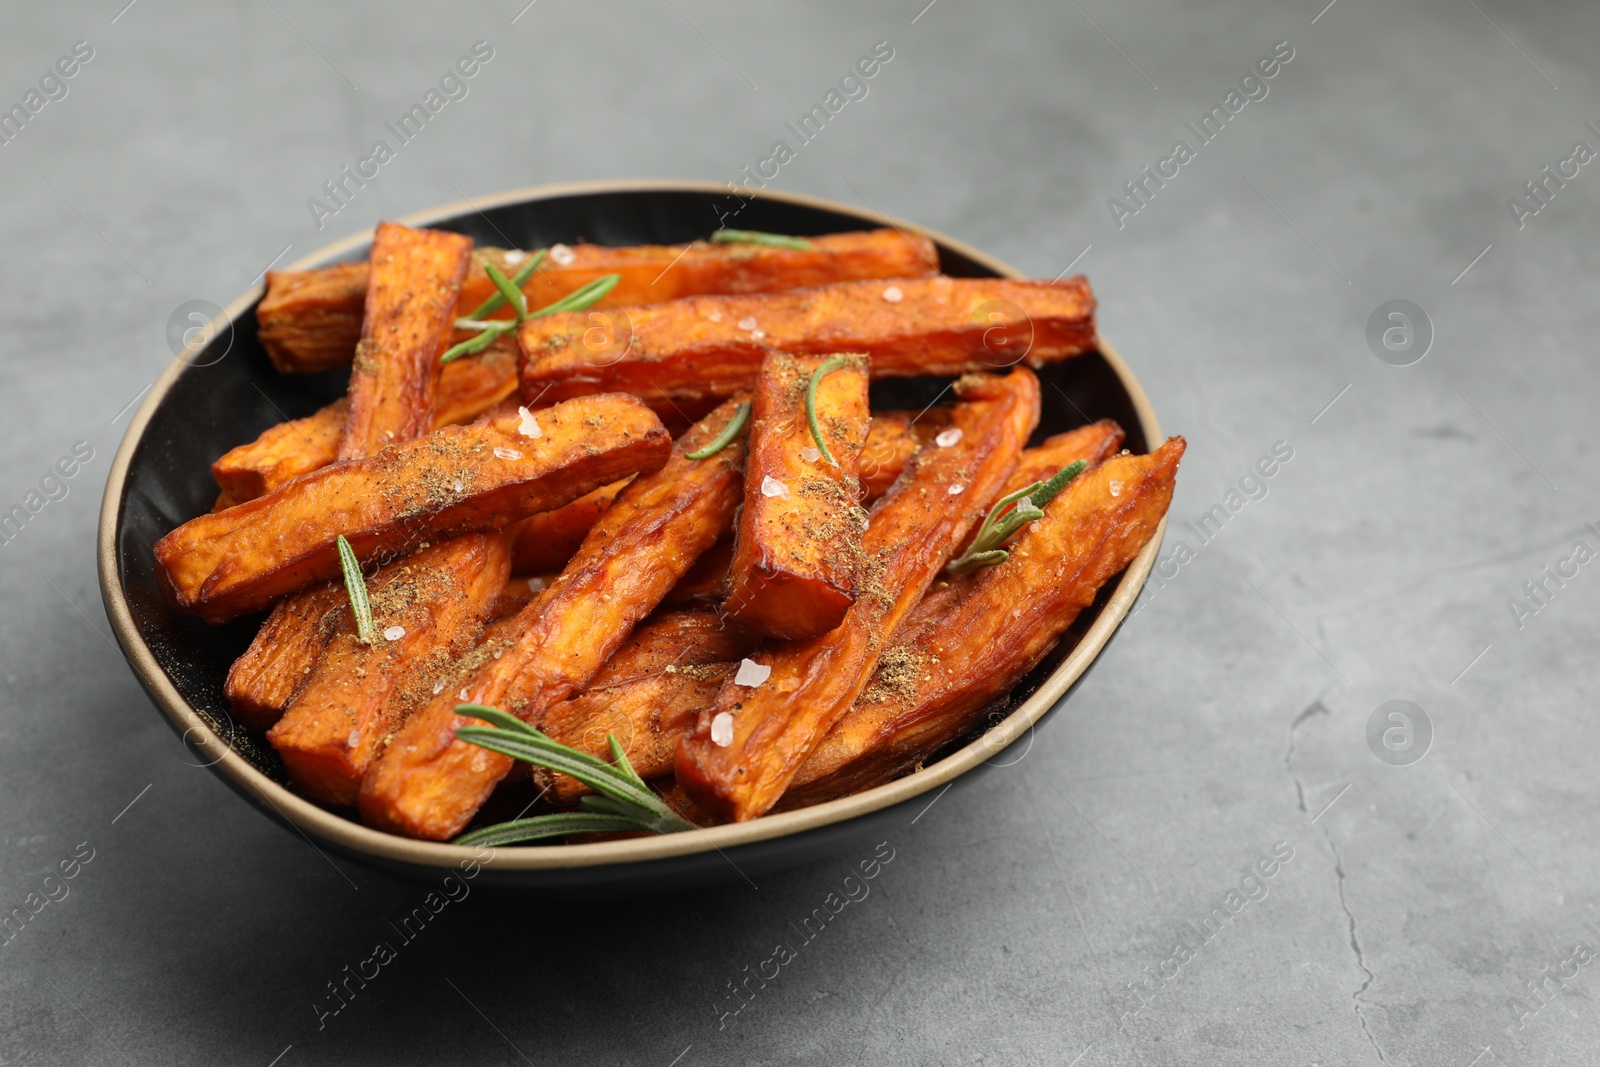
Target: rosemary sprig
[
  {"x": 356, "y": 586},
  {"x": 757, "y": 237},
  {"x": 585, "y": 296},
  {"x": 624, "y": 801},
  {"x": 1000, "y": 524},
  {"x": 811, "y": 405},
  {"x": 498, "y": 300},
  {"x": 725, "y": 438}
]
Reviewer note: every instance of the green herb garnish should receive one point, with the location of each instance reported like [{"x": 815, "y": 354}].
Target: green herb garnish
[
  {"x": 624, "y": 801},
  {"x": 997, "y": 527},
  {"x": 757, "y": 237},
  {"x": 729, "y": 432},
  {"x": 356, "y": 586},
  {"x": 811, "y": 405},
  {"x": 498, "y": 300},
  {"x": 581, "y": 298}
]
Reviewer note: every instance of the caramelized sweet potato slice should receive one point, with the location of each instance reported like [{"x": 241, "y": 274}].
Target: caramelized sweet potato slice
[
  {"x": 550, "y": 539},
  {"x": 310, "y": 320},
  {"x": 262, "y": 681},
  {"x": 747, "y": 746},
  {"x": 233, "y": 562},
  {"x": 427, "y": 784},
  {"x": 429, "y": 610},
  {"x": 797, "y": 545},
  {"x": 467, "y": 388},
  {"x": 412, "y": 288},
  {"x": 712, "y": 345},
  {"x": 648, "y": 693},
  {"x": 892, "y": 440},
  {"x": 928, "y": 691}
]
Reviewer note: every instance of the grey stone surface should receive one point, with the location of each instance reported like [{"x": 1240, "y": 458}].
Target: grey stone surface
[{"x": 1017, "y": 916}]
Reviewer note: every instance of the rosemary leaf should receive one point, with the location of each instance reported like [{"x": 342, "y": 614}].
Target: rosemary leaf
[
  {"x": 725, "y": 438},
  {"x": 519, "y": 279},
  {"x": 356, "y": 586},
  {"x": 477, "y": 344},
  {"x": 541, "y": 827},
  {"x": 581, "y": 298},
  {"x": 811, "y": 405},
  {"x": 1000, "y": 524},
  {"x": 757, "y": 237},
  {"x": 508, "y": 290}
]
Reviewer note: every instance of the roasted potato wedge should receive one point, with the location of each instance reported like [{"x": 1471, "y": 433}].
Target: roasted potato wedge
[
  {"x": 745, "y": 748},
  {"x": 230, "y": 563},
  {"x": 412, "y": 289},
  {"x": 429, "y": 610},
  {"x": 648, "y": 694},
  {"x": 428, "y": 784},
  {"x": 797, "y": 544},
  {"x": 707, "y": 346},
  {"x": 311, "y": 320},
  {"x": 930, "y": 690}
]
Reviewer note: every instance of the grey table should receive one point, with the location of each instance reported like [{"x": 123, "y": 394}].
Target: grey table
[{"x": 1101, "y": 900}]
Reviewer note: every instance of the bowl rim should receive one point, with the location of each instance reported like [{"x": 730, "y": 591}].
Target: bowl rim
[{"x": 347, "y": 834}]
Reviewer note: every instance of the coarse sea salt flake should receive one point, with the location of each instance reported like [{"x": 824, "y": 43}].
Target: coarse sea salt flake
[
  {"x": 747, "y": 323},
  {"x": 1116, "y": 488},
  {"x": 770, "y": 486},
  {"x": 948, "y": 438},
  {"x": 722, "y": 730},
  {"x": 507, "y": 453},
  {"x": 527, "y": 425},
  {"x": 893, "y": 294},
  {"x": 756, "y": 335},
  {"x": 811, "y": 453},
  {"x": 353, "y": 740},
  {"x": 562, "y": 255},
  {"x": 714, "y": 315},
  {"x": 458, "y": 485},
  {"x": 535, "y": 584},
  {"x": 462, "y": 696},
  {"x": 957, "y": 489},
  {"x": 514, "y": 257},
  {"x": 438, "y": 687},
  {"x": 394, "y": 633},
  {"x": 751, "y": 673}
]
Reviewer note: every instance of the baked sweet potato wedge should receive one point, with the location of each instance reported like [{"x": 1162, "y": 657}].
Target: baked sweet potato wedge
[
  {"x": 712, "y": 345},
  {"x": 928, "y": 691},
  {"x": 892, "y": 440},
  {"x": 797, "y": 544},
  {"x": 412, "y": 288},
  {"x": 429, "y": 610},
  {"x": 262, "y": 681},
  {"x": 552, "y": 538},
  {"x": 428, "y": 784},
  {"x": 467, "y": 388},
  {"x": 747, "y": 746},
  {"x": 648, "y": 694},
  {"x": 453, "y": 481},
  {"x": 311, "y": 320}
]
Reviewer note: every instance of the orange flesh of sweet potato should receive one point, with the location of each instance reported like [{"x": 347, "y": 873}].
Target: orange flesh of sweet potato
[
  {"x": 467, "y": 388},
  {"x": 412, "y": 288},
  {"x": 311, "y": 320},
  {"x": 928, "y": 691},
  {"x": 764, "y": 733},
  {"x": 232, "y": 562},
  {"x": 262, "y": 681},
  {"x": 797, "y": 545},
  {"x": 892, "y": 440},
  {"x": 648, "y": 693},
  {"x": 712, "y": 345},
  {"x": 428, "y": 784},
  {"x": 359, "y": 693},
  {"x": 550, "y": 539}
]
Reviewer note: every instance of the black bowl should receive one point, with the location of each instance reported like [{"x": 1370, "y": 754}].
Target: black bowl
[{"x": 227, "y": 392}]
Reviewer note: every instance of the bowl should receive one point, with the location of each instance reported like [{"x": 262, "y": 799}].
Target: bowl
[{"x": 227, "y": 392}]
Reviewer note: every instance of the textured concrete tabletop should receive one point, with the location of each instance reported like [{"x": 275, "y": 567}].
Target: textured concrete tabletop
[{"x": 1227, "y": 848}]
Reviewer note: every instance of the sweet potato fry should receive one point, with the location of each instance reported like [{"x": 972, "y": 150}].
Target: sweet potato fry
[
  {"x": 428, "y": 784},
  {"x": 712, "y": 345},
  {"x": 892, "y": 440},
  {"x": 262, "y": 681},
  {"x": 550, "y": 539},
  {"x": 467, "y": 388},
  {"x": 747, "y": 746},
  {"x": 797, "y": 545},
  {"x": 927, "y": 691},
  {"x": 702, "y": 587},
  {"x": 412, "y": 288},
  {"x": 233, "y": 562},
  {"x": 310, "y": 320},
  {"x": 429, "y": 610},
  {"x": 648, "y": 693}
]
